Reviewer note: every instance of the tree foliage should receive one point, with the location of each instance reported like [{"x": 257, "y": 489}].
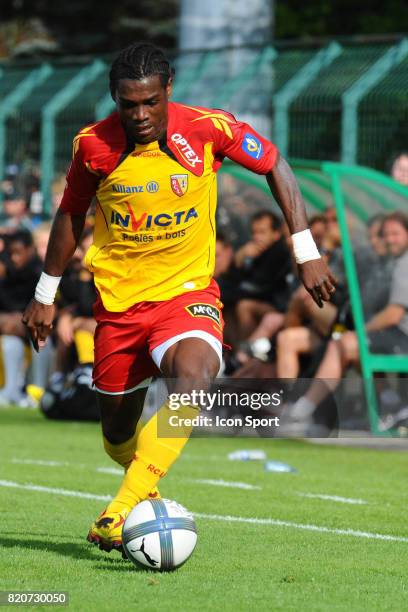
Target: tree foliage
[{"x": 100, "y": 26}]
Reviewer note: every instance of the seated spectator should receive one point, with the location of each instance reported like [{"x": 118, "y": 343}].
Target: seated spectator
[
  {"x": 259, "y": 342},
  {"x": 42, "y": 362},
  {"x": 307, "y": 326},
  {"x": 41, "y": 235},
  {"x": 20, "y": 274},
  {"x": 387, "y": 330},
  {"x": 264, "y": 263},
  {"x": 75, "y": 323},
  {"x": 15, "y": 212}
]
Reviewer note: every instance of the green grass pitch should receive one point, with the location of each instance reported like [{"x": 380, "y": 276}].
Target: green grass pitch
[{"x": 237, "y": 565}]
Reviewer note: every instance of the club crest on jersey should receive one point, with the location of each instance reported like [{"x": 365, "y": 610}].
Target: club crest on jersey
[
  {"x": 179, "y": 183},
  {"x": 204, "y": 310},
  {"x": 252, "y": 146}
]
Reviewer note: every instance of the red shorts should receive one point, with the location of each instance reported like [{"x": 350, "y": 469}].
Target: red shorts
[{"x": 129, "y": 345}]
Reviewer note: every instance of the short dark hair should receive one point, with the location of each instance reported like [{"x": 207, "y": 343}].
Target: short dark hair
[
  {"x": 317, "y": 219},
  {"x": 138, "y": 61},
  {"x": 276, "y": 222},
  {"x": 23, "y": 236},
  {"x": 378, "y": 218},
  {"x": 399, "y": 217}
]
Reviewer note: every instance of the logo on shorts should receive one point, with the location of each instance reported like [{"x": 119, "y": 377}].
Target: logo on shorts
[
  {"x": 179, "y": 184},
  {"x": 205, "y": 310},
  {"x": 252, "y": 146}
]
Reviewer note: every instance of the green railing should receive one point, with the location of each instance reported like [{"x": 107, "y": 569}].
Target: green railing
[
  {"x": 343, "y": 101},
  {"x": 370, "y": 363}
]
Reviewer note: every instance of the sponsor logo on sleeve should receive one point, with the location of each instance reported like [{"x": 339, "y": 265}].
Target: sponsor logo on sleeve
[
  {"x": 185, "y": 150},
  {"x": 204, "y": 310},
  {"x": 252, "y": 146},
  {"x": 179, "y": 184}
]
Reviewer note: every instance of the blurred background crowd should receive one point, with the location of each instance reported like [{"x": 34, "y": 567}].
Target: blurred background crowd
[
  {"x": 273, "y": 327},
  {"x": 321, "y": 84}
]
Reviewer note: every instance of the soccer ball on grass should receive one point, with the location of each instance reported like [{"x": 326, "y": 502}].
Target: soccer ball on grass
[{"x": 159, "y": 534}]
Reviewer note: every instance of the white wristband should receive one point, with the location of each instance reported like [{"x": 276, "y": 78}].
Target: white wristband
[
  {"x": 304, "y": 247},
  {"x": 46, "y": 288}
]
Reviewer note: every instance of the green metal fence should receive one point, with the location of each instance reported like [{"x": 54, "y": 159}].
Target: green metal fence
[
  {"x": 341, "y": 101},
  {"x": 342, "y": 175}
]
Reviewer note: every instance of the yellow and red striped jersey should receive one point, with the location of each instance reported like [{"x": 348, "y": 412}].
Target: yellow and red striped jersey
[{"x": 154, "y": 234}]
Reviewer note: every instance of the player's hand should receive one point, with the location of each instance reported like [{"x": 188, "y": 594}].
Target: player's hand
[
  {"x": 318, "y": 280},
  {"x": 38, "y": 318}
]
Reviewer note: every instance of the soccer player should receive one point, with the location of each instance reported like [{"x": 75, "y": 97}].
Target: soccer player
[{"x": 152, "y": 167}]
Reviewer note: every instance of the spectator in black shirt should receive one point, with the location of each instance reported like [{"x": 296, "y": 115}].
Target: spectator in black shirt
[
  {"x": 20, "y": 272},
  {"x": 265, "y": 264}
]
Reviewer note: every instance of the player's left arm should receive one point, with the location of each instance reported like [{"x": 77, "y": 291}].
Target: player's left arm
[
  {"x": 313, "y": 270},
  {"x": 242, "y": 144}
]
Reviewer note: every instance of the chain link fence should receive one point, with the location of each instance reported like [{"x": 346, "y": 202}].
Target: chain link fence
[{"x": 339, "y": 101}]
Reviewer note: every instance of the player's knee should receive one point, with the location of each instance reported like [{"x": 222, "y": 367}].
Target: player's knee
[
  {"x": 197, "y": 369},
  {"x": 118, "y": 422}
]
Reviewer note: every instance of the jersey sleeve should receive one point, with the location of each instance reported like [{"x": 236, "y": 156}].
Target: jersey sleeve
[
  {"x": 82, "y": 180},
  {"x": 241, "y": 143}
]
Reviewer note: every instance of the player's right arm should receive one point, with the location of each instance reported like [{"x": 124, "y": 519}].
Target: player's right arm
[
  {"x": 65, "y": 234},
  {"x": 242, "y": 144}
]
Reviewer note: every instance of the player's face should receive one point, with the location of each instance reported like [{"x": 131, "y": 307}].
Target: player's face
[
  {"x": 142, "y": 107},
  {"x": 396, "y": 237}
]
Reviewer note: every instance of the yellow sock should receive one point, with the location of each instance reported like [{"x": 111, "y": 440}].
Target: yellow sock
[
  {"x": 84, "y": 344},
  {"x": 154, "y": 456},
  {"x": 123, "y": 454}
]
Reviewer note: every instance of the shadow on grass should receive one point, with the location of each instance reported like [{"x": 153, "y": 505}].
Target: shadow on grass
[
  {"x": 83, "y": 551},
  {"x": 102, "y": 561}
]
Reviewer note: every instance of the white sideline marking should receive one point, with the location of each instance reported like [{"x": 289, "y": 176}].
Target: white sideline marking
[
  {"x": 319, "y": 528},
  {"x": 41, "y": 489},
  {"x": 104, "y": 470},
  {"x": 110, "y": 470},
  {"x": 119, "y": 472},
  {"x": 39, "y": 462},
  {"x": 226, "y": 483},
  {"x": 336, "y": 498},
  {"x": 219, "y": 517}
]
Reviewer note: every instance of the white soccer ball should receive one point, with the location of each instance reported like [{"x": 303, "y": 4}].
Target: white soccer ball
[{"x": 159, "y": 534}]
